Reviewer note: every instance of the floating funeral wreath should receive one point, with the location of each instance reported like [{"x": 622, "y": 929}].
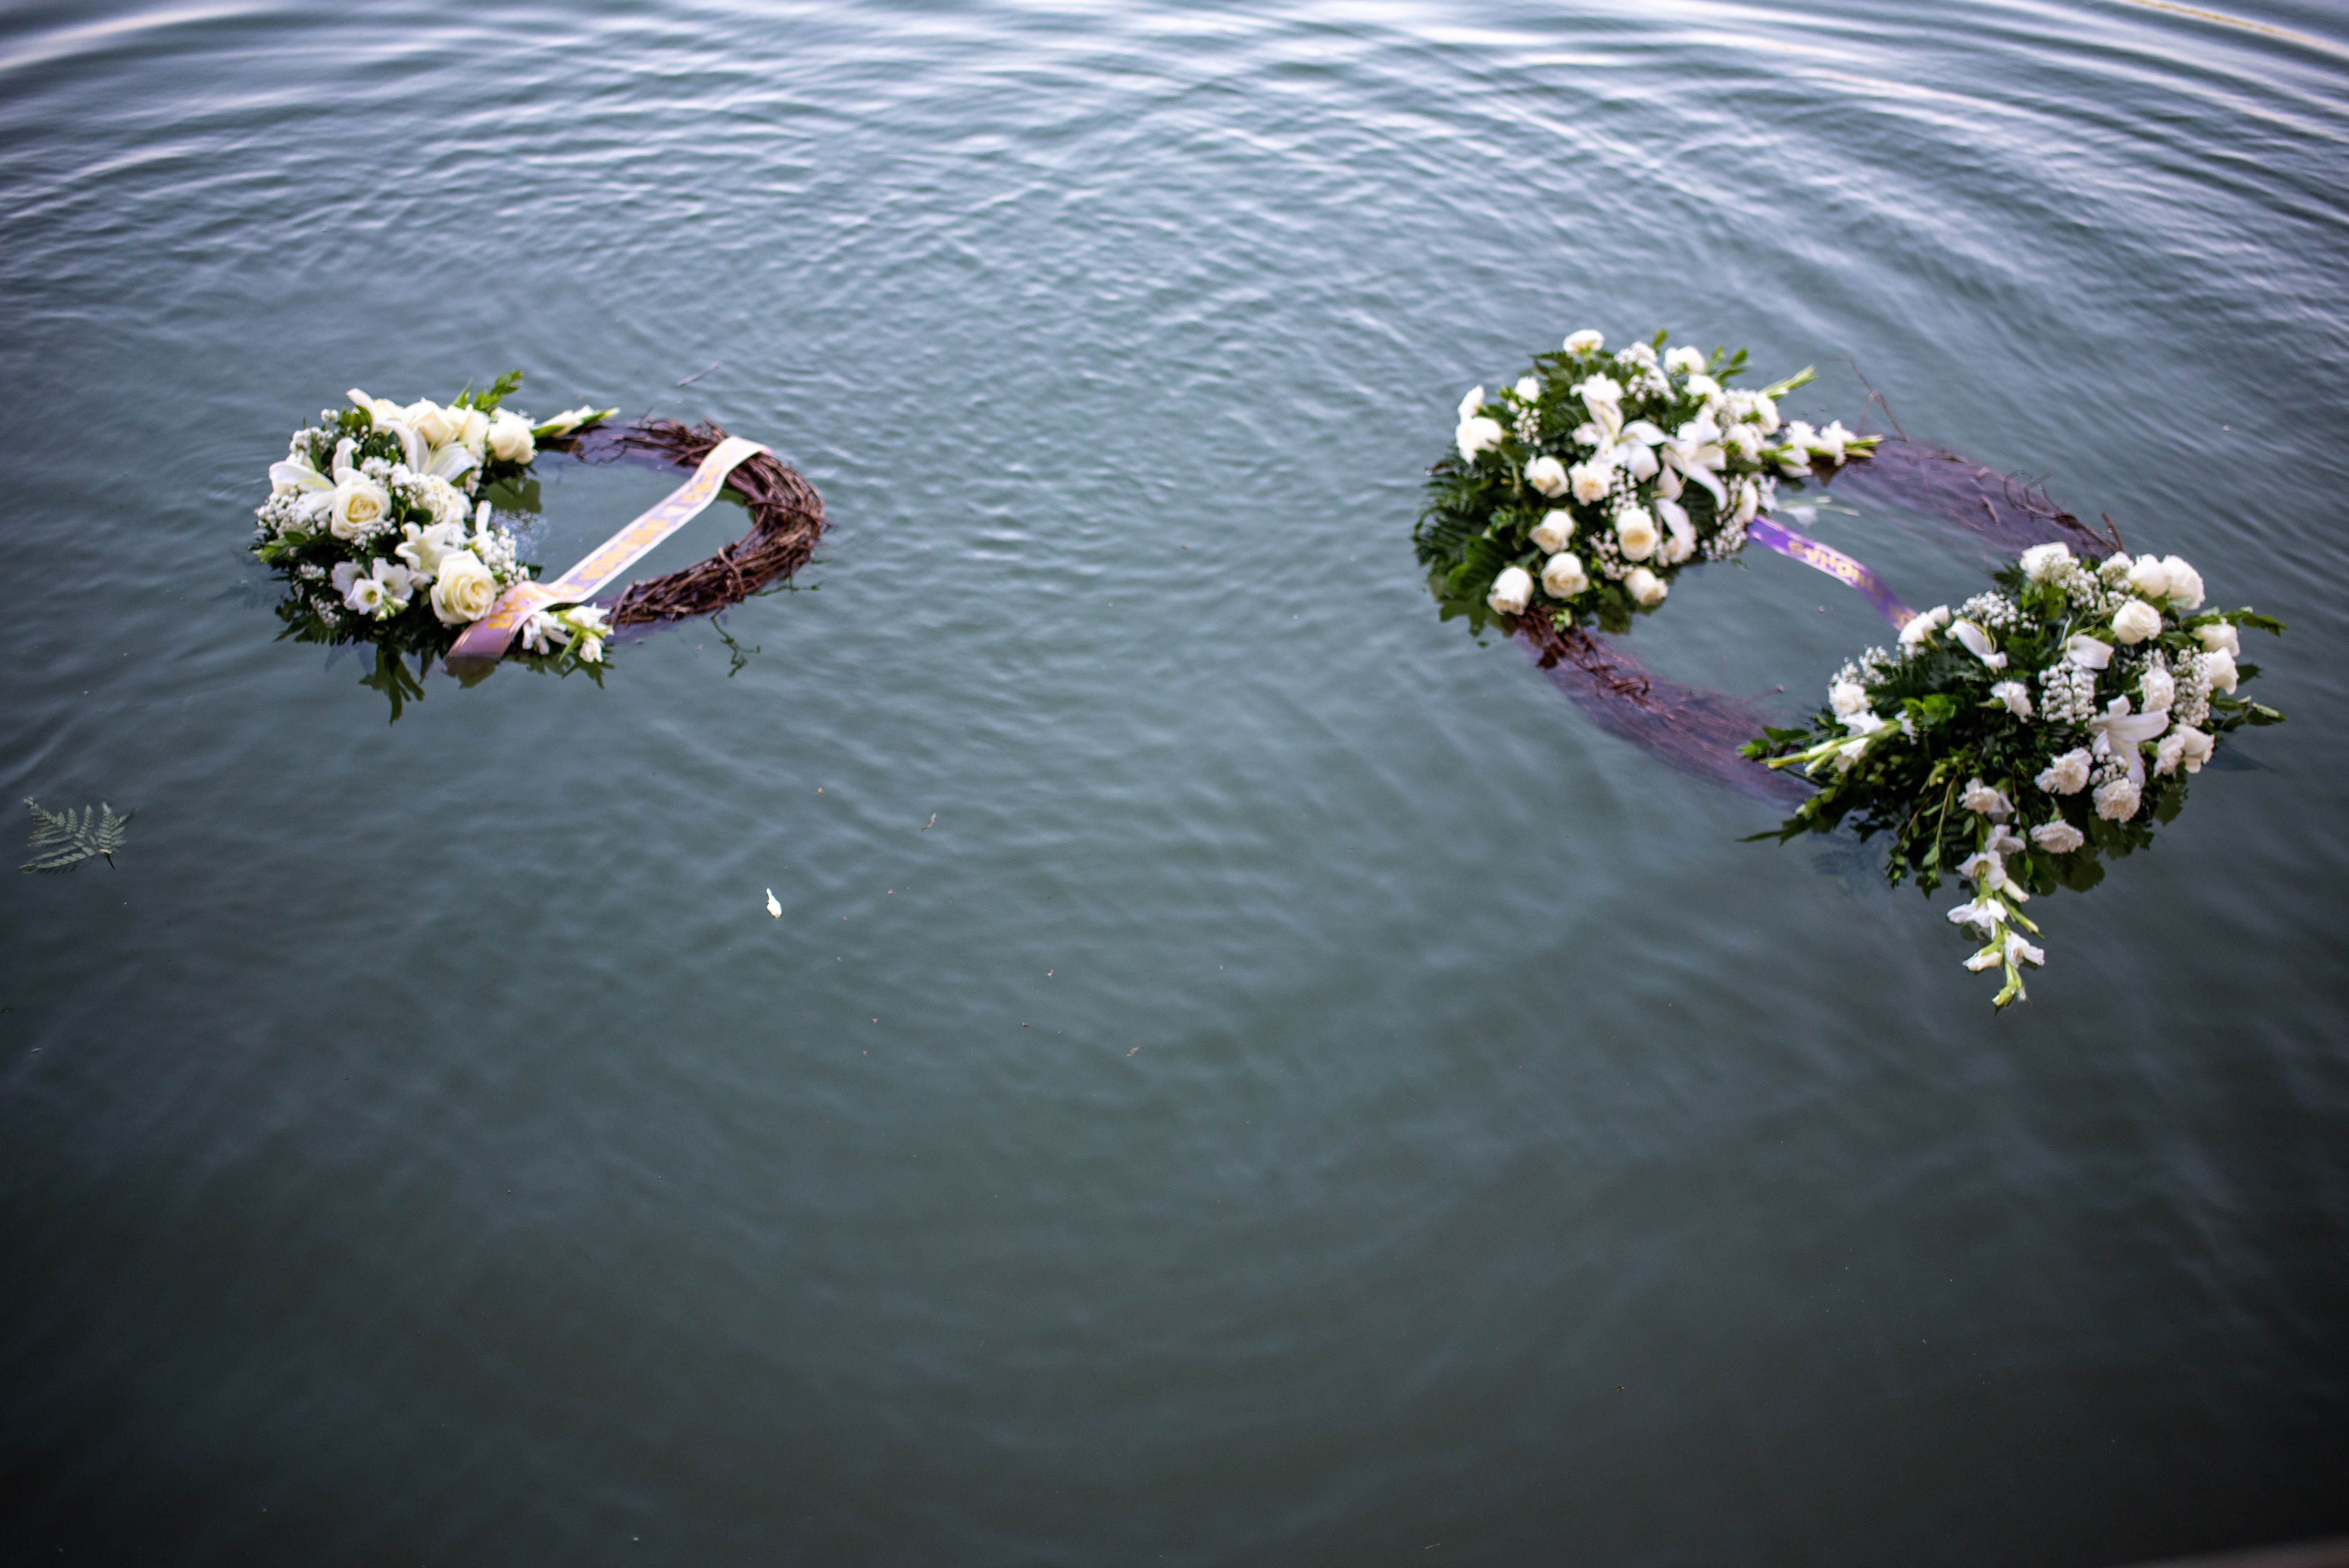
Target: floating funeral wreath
[
  {"x": 2031, "y": 731},
  {"x": 1577, "y": 494},
  {"x": 379, "y": 521}
]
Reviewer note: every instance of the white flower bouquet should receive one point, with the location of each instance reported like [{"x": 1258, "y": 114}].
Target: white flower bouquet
[
  {"x": 1582, "y": 490},
  {"x": 373, "y": 521},
  {"x": 2020, "y": 738}
]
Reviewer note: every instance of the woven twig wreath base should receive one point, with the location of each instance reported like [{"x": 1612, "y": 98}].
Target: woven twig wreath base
[{"x": 786, "y": 521}]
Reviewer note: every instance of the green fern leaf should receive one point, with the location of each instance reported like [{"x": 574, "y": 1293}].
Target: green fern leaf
[{"x": 62, "y": 840}]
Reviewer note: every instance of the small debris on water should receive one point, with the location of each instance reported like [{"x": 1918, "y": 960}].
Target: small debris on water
[{"x": 774, "y": 908}]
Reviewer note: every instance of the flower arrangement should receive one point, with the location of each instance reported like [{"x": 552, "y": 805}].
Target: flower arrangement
[
  {"x": 1585, "y": 487},
  {"x": 372, "y": 520},
  {"x": 2025, "y": 734}
]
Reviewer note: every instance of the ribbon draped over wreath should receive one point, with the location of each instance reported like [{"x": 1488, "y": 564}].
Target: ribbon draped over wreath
[
  {"x": 386, "y": 521},
  {"x": 2073, "y": 700}
]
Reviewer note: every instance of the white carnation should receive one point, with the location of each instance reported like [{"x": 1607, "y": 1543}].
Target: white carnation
[
  {"x": 1848, "y": 697},
  {"x": 1528, "y": 389},
  {"x": 2157, "y": 686},
  {"x": 1585, "y": 342},
  {"x": 2067, "y": 774},
  {"x": 1923, "y": 625},
  {"x": 1684, "y": 361},
  {"x": 2118, "y": 799},
  {"x": 1982, "y": 800},
  {"x": 2015, "y": 695},
  {"x": 1471, "y": 403}
]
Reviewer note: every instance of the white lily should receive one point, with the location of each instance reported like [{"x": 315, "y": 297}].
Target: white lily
[
  {"x": 2088, "y": 652},
  {"x": 2119, "y": 733},
  {"x": 1696, "y": 453},
  {"x": 1676, "y": 520},
  {"x": 1978, "y": 642}
]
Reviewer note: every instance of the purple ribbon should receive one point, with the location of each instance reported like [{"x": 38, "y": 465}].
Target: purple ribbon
[{"x": 1835, "y": 564}]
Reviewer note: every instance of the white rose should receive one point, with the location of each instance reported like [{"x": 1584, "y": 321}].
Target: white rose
[
  {"x": 2135, "y": 621},
  {"x": 1553, "y": 530},
  {"x": 2058, "y": 836},
  {"x": 462, "y": 589},
  {"x": 1585, "y": 342},
  {"x": 476, "y": 431},
  {"x": 356, "y": 509},
  {"x": 1638, "y": 354},
  {"x": 1477, "y": 435},
  {"x": 1528, "y": 389},
  {"x": 2148, "y": 576},
  {"x": 1472, "y": 403},
  {"x": 1702, "y": 386},
  {"x": 1684, "y": 361},
  {"x": 1546, "y": 475},
  {"x": 1510, "y": 590},
  {"x": 2220, "y": 637},
  {"x": 2167, "y": 754},
  {"x": 437, "y": 425},
  {"x": 1591, "y": 480},
  {"x": 2194, "y": 747},
  {"x": 2158, "y": 687},
  {"x": 1848, "y": 697},
  {"x": 2067, "y": 774},
  {"x": 1749, "y": 502},
  {"x": 1635, "y": 532},
  {"x": 510, "y": 440},
  {"x": 1923, "y": 625},
  {"x": 1563, "y": 577},
  {"x": 2015, "y": 695},
  {"x": 2185, "y": 583},
  {"x": 2118, "y": 799},
  {"x": 1984, "y": 801},
  {"x": 2088, "y": 652},
  {"x": 2042, "y": 561},
  {"x": 1765, "y": 414},
  {"x": 2219, "y": 669},
  {"x": 1645, "y": 587}
]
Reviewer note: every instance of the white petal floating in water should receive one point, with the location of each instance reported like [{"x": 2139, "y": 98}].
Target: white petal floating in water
[{"x": 772, "y": 907}]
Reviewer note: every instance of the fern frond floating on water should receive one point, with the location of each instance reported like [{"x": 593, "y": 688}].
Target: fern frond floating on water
[{"x": 62, "y": 840}]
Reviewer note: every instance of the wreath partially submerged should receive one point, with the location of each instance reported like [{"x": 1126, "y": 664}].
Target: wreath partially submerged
[{"x": 383, "y": 519}]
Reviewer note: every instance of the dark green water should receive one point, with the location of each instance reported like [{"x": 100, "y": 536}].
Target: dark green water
[{"x": 1312, "y": 1097}]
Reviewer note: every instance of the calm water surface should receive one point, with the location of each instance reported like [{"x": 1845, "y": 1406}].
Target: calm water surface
[{"x": 1312, "y": 1097}]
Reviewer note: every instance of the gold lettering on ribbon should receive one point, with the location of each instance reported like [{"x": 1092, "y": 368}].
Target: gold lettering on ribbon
[{"x": 487, "y": 637}]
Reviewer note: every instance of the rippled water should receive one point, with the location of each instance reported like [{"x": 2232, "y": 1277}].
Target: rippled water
[{"x": 1311, "y": 1096}]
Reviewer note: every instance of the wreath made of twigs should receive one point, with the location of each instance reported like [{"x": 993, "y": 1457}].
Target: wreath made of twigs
[{"x": 786, "y": 521}]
